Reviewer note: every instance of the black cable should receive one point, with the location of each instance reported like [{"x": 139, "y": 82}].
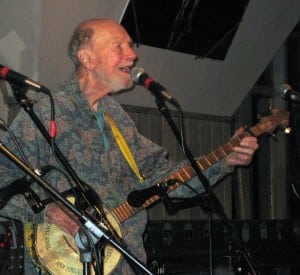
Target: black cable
[
  {"x": 4, "y": 126},
  {"x": 220, "y": 41},
  {"x": 213, "y": 201},
  {"x": 38, "y": 170}
]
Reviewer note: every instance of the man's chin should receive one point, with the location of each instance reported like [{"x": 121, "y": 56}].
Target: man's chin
[{"x": 122, "y": 87}]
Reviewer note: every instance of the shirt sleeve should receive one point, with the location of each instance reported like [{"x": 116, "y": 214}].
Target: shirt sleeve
[
  {"x": 32, "y": 144},
  {"x": 156, "y": 166},
  {"x": 194, "y": 186}
]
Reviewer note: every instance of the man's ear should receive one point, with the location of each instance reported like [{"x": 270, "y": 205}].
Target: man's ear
[{"x": 85, "y": 58}]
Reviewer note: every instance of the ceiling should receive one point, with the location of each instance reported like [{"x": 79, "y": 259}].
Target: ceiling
[
  {"x": 216, "y": 79},
  {"x": 215, "y": 56},
  {"x": 203, "y": 28}
]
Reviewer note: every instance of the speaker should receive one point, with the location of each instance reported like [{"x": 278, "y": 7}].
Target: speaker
[
  {"x": 11, "y": 247},
  {"x": 176, "y": 247}
]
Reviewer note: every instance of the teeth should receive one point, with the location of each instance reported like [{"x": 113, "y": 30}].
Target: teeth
[{"x": 125, "y": 69}]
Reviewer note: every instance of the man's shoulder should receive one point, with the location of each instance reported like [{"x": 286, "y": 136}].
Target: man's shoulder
[{"x": 69, "y": 84}]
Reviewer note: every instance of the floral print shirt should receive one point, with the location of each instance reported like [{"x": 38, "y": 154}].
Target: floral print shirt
[{"x": 101, "y": 166}]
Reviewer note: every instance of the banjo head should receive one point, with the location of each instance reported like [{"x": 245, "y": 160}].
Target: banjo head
[{"x": 56, "y": 252}]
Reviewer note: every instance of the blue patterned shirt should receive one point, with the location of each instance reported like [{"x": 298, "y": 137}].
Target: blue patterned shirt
[{"x": 101, "y": 167}]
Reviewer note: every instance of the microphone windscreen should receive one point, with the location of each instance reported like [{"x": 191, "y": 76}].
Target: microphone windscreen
[
  {"x": 284, "y": 88},
  {"x": 136, "y": 72},
  {"x": 134, "y": 199}
]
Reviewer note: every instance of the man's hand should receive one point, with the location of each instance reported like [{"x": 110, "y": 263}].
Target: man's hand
[
  {"x": 242, "y": 154},
  {"x": 54, "y": 214}
]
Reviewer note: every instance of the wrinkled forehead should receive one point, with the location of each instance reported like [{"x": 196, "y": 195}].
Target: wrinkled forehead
[{"x": 109, "y": 30}]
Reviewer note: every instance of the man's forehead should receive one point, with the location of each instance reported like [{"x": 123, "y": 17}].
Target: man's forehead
[{"x": 110, "y": 32}]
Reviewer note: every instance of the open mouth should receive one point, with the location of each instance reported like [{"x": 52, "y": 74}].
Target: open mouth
[{"x": 126, "y": 69}]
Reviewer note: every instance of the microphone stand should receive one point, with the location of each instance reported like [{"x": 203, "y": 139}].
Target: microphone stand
[
  {"x": 27, "y": 105},
  {"x": 88, "y": 194},
  {"x": 85, "y": 221},
  {"x": 213, "y": 200}
]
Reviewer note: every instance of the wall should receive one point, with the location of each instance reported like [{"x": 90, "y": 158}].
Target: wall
[{"x": 35, "y": 35}]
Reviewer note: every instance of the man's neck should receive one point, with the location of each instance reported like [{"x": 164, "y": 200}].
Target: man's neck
[{"x": 91, "y": 89}]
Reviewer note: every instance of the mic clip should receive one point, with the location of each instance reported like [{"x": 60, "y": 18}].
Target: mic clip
[
  {"x": 23, "y": 186},
  {"x": 138, "y": 197},
  {"x": 163, "y": 193}
]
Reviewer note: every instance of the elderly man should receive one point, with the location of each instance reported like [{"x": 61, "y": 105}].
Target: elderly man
[{"x": 102, "y": 52}]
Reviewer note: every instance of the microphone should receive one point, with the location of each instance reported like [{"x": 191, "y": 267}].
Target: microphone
[
  {"x": 287, "y": 92},
  {"x": 19, "y": 79},
  {"x": 140, "y": 77},
  {"x": 138, "y": 197}
]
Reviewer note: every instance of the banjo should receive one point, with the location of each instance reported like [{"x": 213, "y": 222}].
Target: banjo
[{"x": 55, "y": 252}]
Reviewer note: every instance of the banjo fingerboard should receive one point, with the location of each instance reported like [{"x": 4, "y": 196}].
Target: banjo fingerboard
[
  {"x": 268, "y": 124},
  {"x": 124, "y": 211}
]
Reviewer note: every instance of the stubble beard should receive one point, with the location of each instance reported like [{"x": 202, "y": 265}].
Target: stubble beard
[{"x": 116, "y": 84}]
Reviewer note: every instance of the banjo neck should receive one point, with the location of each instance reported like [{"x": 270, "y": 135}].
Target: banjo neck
[
  {"x": 267, "y": 124},
  {"x": 53, "y": 246},
  {"x": 124, "y": 211}
]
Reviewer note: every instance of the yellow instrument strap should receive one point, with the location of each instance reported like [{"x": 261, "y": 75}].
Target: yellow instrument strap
[{"x": 124, "y": 147}]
